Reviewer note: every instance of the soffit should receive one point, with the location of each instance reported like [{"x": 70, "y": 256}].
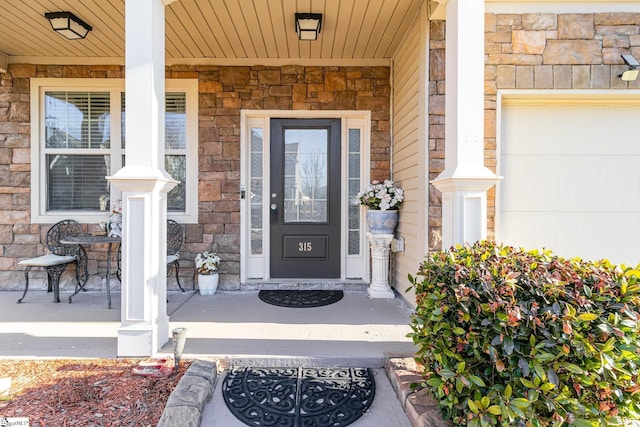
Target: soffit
[{"x": 214, "y": 29}]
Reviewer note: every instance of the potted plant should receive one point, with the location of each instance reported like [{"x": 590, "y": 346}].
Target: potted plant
[
  {"x": 382, "y": 199},
  {"x": 207, "y": 264},
  {"x": 114, "y": 226}
]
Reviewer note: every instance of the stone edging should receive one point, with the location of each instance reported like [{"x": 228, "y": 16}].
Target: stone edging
[
  {"x": 186, "y": 402},
  {"x": 420, "y": 407}
]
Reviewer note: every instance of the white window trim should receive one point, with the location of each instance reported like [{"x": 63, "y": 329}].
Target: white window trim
[
  {"x": 39, "y": 86},
  {"x": 352, "y": 266}
]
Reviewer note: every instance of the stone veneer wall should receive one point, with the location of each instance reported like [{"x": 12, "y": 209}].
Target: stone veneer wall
[
  {"x": 530, "y": 51},
  {"x": 436, "y": 129},
  {"x": 224, "y": 91}
]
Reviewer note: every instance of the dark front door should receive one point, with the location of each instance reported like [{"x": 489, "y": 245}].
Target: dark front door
[{"x": 305, "y": 198}]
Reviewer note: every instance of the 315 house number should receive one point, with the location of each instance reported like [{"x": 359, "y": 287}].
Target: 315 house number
[{"x": 304, "y": 247}]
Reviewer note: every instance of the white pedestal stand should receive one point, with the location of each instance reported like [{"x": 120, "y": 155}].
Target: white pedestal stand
[{"x": 380, "y": 249}]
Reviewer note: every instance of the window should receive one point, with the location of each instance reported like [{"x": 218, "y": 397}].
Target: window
[
  {"x": 175, "y": 146},
  {"x": 76, "y": 149},
  {"x": 354, "y": 147},
  {"x": 255, "y": 189},
  {"x": 79, "y": 139}
]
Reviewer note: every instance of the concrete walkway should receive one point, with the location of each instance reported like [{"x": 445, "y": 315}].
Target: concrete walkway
[
  {"x": 231, "y": 328},
  {"x": 239, "y": 329}
]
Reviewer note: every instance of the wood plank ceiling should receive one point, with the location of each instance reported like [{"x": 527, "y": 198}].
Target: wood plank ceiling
[{"x": 214, "y": 29}]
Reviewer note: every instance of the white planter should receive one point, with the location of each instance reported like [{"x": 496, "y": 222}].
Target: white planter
[{"x": 208, "y": 283}]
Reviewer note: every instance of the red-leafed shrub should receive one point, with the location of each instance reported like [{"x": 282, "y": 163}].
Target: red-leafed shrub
[{"x": 515, "y": 338}]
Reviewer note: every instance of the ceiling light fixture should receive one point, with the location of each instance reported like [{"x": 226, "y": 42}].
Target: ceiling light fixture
[
  {"x": 68, "y": 24},
  {"x": 308, "y": 25},
  {"x": 632, "y": 73}
]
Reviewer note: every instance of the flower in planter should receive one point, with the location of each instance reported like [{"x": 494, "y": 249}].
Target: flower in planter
[
  {"x": 381, "y": 196},
  {"x": 207, "y": 262},
  {"x": 116, "y": 207},
  {"x": 114, "y": 226}
]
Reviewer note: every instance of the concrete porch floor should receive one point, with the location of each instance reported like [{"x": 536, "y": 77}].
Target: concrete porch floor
[
  {"x": 233, "y": 326},
  {"x": 240, "y": 329}
]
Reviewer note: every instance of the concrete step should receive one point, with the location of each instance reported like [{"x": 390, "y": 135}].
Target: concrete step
[
  {"x": 296, "y": 284},
  {"x": 305, "y": 362}
]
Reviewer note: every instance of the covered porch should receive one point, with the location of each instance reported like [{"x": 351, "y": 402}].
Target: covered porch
[{"x": 368, "y": 69}]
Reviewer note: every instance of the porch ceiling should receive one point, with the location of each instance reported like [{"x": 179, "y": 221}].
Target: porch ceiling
[{"x": 215, "y": 30}]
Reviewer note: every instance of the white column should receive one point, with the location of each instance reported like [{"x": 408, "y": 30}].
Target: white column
[
  {"x": 380, "y": 250},
  {"x": 144, "y": 183},
  {"x": 465, "y": 180}
]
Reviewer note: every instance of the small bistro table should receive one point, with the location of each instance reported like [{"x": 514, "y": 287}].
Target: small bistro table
[{"x": 89, "y": 239}]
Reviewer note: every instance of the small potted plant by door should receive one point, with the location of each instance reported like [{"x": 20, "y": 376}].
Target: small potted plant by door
[
  {"x": 383, "y": 199},
  {"x": 207, "y": 264}
]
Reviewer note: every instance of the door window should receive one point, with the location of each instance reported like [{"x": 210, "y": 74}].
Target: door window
[{"x": 305, "y": 177}]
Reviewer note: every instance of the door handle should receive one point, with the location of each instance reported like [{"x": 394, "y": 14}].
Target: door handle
[{"x": 274, "y": 207}]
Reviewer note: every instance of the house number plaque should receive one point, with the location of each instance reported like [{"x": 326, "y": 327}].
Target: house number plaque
[{"x": 305, "y": 246}]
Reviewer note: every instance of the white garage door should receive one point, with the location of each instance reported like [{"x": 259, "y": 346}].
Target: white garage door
[{"x": 571, "y": 178}]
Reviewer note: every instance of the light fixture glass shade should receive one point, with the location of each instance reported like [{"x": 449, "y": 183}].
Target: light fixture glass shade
[
  {"x": 68, "y": 24},
  {"x": 632, "y": 73},
  {"x": 308, "y": 25},
  {"x": 629, "y": 75}
]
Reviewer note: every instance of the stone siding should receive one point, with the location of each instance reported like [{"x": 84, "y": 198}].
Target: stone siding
[
  {"x": 223, "y": 92},
  {"x": 226, "y": 90},
  {"x": 436, "y": 128},
  {"x": 530, "y": 51}
]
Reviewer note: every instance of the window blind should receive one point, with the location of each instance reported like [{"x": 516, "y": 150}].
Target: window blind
[
  {"x": 175, "y": 163},
  {"x": 77, "y": 120}
]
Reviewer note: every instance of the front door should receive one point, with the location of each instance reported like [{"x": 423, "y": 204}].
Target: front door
[{"x": 305, "y": 198}]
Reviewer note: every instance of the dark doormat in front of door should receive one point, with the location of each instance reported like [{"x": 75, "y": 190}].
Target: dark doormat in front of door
[
  {"x": 298, "y": 397},
  {"x": 300, "y": 299}
]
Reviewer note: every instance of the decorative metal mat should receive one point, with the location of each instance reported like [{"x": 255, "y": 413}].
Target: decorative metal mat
[
  {"x": 298, "y": 397},
  {"x": 300, "y": 299}
]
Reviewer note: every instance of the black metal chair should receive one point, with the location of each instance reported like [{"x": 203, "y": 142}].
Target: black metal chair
[
  {"x": 175, "y": 237},
  {"x": 59, "y": 258}
]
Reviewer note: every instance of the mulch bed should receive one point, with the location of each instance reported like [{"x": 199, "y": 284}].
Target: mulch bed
[{"x": 87, "y": 392}]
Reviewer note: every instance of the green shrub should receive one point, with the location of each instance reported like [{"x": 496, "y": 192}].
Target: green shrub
[{"x": 515, "y": 338}]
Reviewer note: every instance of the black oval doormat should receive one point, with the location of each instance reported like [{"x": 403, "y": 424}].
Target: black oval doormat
[
  {"x": 298, "y": 397},
  {"x": 300, "y": 299}
]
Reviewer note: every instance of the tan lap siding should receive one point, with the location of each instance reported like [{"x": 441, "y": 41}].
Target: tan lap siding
[{"x": 406, "y": 81}]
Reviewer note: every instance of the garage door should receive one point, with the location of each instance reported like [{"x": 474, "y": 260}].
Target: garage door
[{"x": 571, "y": 178}]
